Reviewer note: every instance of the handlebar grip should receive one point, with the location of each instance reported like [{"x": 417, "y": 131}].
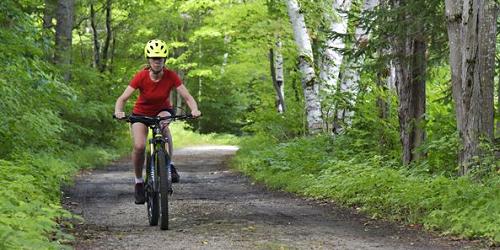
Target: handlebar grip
[{"x": 124, "y": 118}]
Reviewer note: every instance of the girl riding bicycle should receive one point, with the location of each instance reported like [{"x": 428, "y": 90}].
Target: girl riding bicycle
[{"x": 155, "y": 83}]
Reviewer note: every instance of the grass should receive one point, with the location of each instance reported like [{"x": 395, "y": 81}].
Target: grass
[{"x": 184, "y": 137}]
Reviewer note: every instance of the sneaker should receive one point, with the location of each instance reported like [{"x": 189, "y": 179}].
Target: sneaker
[
  {"x": 140, "y": 196},
  {"x": 175, "y": 175}
]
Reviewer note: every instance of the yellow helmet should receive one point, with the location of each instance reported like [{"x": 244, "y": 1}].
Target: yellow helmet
[{"x": 155, "y": 48}]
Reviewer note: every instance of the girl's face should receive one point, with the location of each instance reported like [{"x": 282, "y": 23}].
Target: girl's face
[{"x": 156, "y": 63}]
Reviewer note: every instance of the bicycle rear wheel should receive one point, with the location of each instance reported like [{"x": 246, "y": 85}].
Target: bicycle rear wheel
[{"x": 165, "y": 184}]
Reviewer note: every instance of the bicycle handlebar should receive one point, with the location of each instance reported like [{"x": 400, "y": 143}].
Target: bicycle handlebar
[{"x": 152, "y": 119}]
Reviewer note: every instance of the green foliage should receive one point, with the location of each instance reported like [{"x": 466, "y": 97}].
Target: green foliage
[
  {"x": 228, "y": 58},
  {"x": 442, "y": 143},
  {"x": 319, "y": 167},
  {"x": 31, "y": 213},
  {"x": 370, "y": 134},
  {"x": 49, "y": 129},
  {"x": 282, "y": 127},
  {"x": 183, "y": 136}
]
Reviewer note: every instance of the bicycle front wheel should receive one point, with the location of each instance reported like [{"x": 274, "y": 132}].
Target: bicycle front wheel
[
  {"x": 152, "y": 197},
  {"x": 165, "y": 184}
]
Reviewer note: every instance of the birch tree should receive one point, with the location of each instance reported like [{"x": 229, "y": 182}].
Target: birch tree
[
  {"x": 331, "y": 58},
  {"x": 306, "y": 64},
  {"x": 332, "y": 54},
  {"x": 349, "y": 84},
  {"x": 472, "y": 36},
  {"x": 276, "y": 63}
]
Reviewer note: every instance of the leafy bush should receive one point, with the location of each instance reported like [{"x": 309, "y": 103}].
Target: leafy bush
[
  {"x": 320, "y": 168},
  {"x": 48, "y": 130},
  {"x": 30, "y": 204},
  {"x": 279, "y": 126}
]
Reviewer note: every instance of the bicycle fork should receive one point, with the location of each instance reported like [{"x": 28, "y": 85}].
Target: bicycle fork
[{"x": 151, "y": 167}]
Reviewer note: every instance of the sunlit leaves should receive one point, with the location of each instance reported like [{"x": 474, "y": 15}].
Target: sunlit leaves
[
  {"x": 205, "y": 73},
  {"x": 205, "y": 32},
  {"x": 200, "y": 6}
]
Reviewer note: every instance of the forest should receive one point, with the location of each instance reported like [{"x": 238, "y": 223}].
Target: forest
[{"x": 388, "y": 106}]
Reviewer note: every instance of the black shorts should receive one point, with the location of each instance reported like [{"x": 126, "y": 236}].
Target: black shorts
[{"x": 171, "y": 111}]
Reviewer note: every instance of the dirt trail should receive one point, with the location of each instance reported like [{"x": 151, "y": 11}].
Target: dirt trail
[{"x": 215, "y": 208}]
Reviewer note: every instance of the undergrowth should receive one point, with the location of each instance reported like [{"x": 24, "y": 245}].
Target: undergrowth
[
  {"x": 324, "y": 168},
  {"x": 31, "y": 213}
]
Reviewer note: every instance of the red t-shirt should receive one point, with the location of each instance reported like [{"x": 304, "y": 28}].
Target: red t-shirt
[{"x": 153, "y": 96}]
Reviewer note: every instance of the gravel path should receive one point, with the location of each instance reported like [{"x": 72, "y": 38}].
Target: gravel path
[{"x": 215, "y": 208}]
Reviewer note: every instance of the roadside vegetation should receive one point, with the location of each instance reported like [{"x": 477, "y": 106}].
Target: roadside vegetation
[
  {"x": 48, "y": 131},
  {"x": 183, "y": 136},
  {"x": 362, "y": 169},
  {"x": 376, "y": 184}
]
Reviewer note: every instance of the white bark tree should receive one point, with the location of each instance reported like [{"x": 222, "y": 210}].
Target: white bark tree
[
  {"x": 331, "y": 58},
  {"x": 280, "y": 76},
  {"x": 349, "y": 85},
  {"x": 227, "y": 40},
  {"x": 472, "y": 36},
  {"x": 276, "y": 63},
  {"x": 306, "y": 65}
]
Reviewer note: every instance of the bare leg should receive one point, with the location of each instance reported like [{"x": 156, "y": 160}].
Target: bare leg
[
  {"x": 170, "y": 145},
  {"x": 139, "y": 135},
  {"x": 166, "y": 134}
]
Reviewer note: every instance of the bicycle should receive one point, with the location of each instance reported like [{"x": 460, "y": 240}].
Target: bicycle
[{"x": 158, "y": 181}]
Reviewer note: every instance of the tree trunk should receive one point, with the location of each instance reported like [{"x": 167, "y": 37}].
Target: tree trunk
[
  {"x": 109, "y": 34},
  {"x": 349, "y": 86},
  {"x": 227, "y": 40},
  {"x": 113, "y": 46},
  {"x": 331, "y": 58},
  {"x": 280, "y": 77},
  {"x": 64, "y": 28},
  {"x": 472, "y": 35},
  {"x": 276, "y": 65},
  {"x": 410, "y": 65},
  {"x": 97, "y": 62},
  {"x": 497, "y": 133},
  {"x": 410, "y": 84},
  {"x": 306, "y": 65}
]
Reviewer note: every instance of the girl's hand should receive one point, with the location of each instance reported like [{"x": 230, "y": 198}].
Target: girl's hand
[
  {"x": 195, "y": 113},
  {"x": 119, "y": 115}
]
